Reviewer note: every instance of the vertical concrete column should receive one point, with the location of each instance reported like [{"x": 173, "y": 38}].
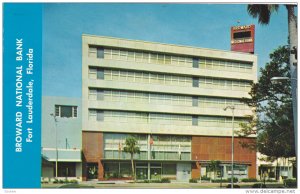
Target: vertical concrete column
[
  {"x": 149, "y": 147},
  {"x": 148, "y": 170},
  {"x": 149, "y": 155},
  {"x": 100, "y": 170},
  {"x": 79, "y": 170},
  {"x": 84, "y": 170}
]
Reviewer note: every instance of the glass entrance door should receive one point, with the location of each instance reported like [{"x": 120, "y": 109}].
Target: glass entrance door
[
  {"x": 141, "y": 173},
  {"x": 155, "y": 173}
]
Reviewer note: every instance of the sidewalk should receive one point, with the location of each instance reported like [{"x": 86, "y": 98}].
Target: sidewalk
[{"x": 172, "y": 185}]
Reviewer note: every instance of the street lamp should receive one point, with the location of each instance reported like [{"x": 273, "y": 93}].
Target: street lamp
[
  {"x": 55, "y": 121},
  {"x": 232, "y": 149},
  {"x": 275, "y": 80}
]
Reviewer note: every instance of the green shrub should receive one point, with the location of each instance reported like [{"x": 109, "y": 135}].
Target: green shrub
[
  {"x": 219, "y": 181},
  {"x": 55, "y": 181},
  {"x": 205, "y": 178},
  {"x": 234, "y": 186},
  {"x": 193, "y": 181},
  {"x": 235, "y": 180},
  {"x": 155, "y": 181},
  {"x": 271, "y": 181},
  {"x": 165, "y": 180},
  {"x": 228, "y": 180},
  {"x": 290, "y": 183},
  {"x": 60, "y": 181},
  {"x": 259, "y": 185},
  {"x": 249, "y": 180},
  {"x": 74, "y": 181}
]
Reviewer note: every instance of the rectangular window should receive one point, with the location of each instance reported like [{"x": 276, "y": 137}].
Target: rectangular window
[
  {"x": 92, "y": 94},
  {"x": 195, "y": 63},
  {"x": 123, "y": 55},
  {"x": 195, "y": 120},
  {"x": 195, "y": 82},
  {"x": 130, "y": 56},
  {"x": 167, "y": 59},
  {"x": 74, "y": 111},
  {"x": 195, "y": 101},
  {"x": 65, "y": 111},
  {"x": 57, "y": 111},
  {"x": 100, "y": 74},
  {"x": 92, "y": 73},
  {"x": 100, "y": 53},
  {"x": 100, "y": 95},
  {"x": 107, "y": 53},
  {"x": 92, "y": 51},
  {"x": 66, "y": 169},
  {"x": 100, "y": 116},
  {"x": 92, "y": 115}
]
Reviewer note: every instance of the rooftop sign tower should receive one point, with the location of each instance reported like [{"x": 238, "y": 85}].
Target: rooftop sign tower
[{"x": 242, "y": 38}]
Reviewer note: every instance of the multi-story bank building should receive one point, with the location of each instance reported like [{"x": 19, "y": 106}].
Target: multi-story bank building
[{"x": 172, "y": 99}]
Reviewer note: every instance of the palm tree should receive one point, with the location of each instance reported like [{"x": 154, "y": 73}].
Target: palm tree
[
  {"x": 263, "y": 12},
  {"x": 214, "y": 166},
  {"x": 132, "y": 148}
]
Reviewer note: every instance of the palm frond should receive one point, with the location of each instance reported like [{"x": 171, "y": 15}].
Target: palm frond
[{"x": 262, "y": 12}]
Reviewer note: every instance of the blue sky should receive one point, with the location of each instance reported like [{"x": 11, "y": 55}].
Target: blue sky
[{"x": 199, "y": 25}]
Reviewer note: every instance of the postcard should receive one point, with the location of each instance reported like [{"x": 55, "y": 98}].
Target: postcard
[{"x": 149, "y": 95}]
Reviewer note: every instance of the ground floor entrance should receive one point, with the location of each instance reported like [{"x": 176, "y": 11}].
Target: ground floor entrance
[
  {"x": 180, "y": 171},
  {"x": 268, "y": 172}
]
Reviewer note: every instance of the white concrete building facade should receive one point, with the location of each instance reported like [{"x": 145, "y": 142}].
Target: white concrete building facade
[{"x": 172, "y": 99}]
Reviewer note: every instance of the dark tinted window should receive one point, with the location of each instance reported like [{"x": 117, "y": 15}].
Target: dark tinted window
[
  {"x": 66, "y": 111},
  {"x": 242, "y": 34}
]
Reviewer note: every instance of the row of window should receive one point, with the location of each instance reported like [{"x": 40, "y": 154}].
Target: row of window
[
  {"x": 156, "y": 155},
  {"x": 164, "y": 59},
  {"x": 162, "y": 148},
  {"x": 163, "y": 79},
  {"x": 207, "y": 102},
  {"x": 117, "y": 141},
  {"x": 116, "y": 154},
  {"x": 206, "y": 63},
  {"x": 123, "y": 169},
  {"x": 166, "y": 99},
  {"x": 117, "y": 138},
  {"x": 163, "y": 119},
  {"x": 212, "y": 83},
  {"x": 219, "y": 121},
  {"x": 151, "y": 78}
]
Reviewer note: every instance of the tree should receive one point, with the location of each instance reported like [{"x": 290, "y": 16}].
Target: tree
[
  {"x": 264, "y": 12},
  {"x": 214, "y": 166},
  {"x": 273, "y": 118},
  {"x": 131, "y": 148}
]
